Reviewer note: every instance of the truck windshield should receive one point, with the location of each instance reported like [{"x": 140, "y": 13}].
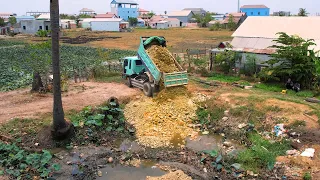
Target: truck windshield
[
  {"x": 125, "y": 63},
  {"x": 138, "y": 62}
]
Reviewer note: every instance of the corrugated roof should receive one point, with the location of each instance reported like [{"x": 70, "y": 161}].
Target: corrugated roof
[
  {"x": 105, "y": 19},
  {"x": 44, "y": 16},
  {"x": 105, "y": 15},
  {"x": 25, "y": 17},
  {"x": 180, "y": 13},
  {"x": 267, "y": 27},
  {"x": 142, "y": 10},
  {"x": 253, "y": 6},
  {"x": 86, "y": 10},
  {"x": 236, "y": 14},
  {"x": 172, "y": 19},
  {"x": 193, "y": 9},
  {"x": 124, "y": 2}
]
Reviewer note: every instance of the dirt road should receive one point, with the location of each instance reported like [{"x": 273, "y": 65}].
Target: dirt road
[{"x": 23, "y": 104}]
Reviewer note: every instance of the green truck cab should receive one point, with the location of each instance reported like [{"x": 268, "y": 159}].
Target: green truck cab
[{"x": 141, "y": 72}]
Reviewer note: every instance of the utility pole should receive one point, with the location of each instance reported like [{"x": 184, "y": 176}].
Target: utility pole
[{"x": 238, "y": 6}]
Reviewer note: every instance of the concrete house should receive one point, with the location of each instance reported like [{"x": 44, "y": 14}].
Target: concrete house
[
  {"x": 174, "y": 22},
  {"x": 255, "y": 10},
  {"x": 184, "y": 16},
  {"x": 163, "y": 25},
  {"x": 108, "y": 24},
  {"x": 87, "y": 11},
  {"x": 199, "y": 11},
  {"x": 125, "y": 9},
  {"x": 256, "y": 35},
  {"x": 33, "y": 26}
]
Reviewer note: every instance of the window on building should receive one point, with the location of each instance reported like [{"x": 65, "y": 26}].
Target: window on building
[
  {"x": 128, "y": 17},
  {"x": 266, "y": 13},
  {"x": 258, "y": 13},
  {"x": 40, "y": 27},
  {"x": 24, "y": 27},
  {"x": 47, "y": 28},
  {"x": 134, "y": 12},
  {"x": 251, "y": 13},
  {"x": 128, "y": 11}
]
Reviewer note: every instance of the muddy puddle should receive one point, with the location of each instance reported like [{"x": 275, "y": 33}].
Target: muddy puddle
[
  {"x": 205, "y": 142},
  {"x": 119, "y": 172}
]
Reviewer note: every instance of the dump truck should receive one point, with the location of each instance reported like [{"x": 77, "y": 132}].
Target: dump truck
[{"x": 141, "y": 71}]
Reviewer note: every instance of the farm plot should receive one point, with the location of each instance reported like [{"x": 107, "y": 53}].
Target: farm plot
[{"x": 18, "y": 63}]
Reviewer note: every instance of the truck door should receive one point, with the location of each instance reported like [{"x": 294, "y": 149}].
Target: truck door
[{"x": 125, "y": 66}]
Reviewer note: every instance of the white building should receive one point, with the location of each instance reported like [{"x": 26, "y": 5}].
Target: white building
[
  {"x": 162, "y": 25},
  {"x": 108, "y": 24},
  {"x": 174, "y": 22}
]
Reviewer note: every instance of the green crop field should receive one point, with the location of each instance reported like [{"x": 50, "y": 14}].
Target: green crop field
[{"x": 18, "y": 61}]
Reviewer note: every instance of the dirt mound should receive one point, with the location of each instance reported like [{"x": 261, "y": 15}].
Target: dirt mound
[
  {"x": 163, "y": 59},
  {"x": 177, "y": 175},
  {"x": 157, "y": 124},
  {"x": 171, "y": 93}
]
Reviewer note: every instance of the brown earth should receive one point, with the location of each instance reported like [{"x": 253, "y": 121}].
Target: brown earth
[{"x": 23, "y": 104}]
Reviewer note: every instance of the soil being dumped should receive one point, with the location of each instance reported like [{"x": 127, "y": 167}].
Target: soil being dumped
[{"x": 163, "y": 59}]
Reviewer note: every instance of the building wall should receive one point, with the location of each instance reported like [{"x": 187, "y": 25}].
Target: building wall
[
  {"x": 260, "y": 60},
  {"x": 105, "y": 26},
  {"x": 175, "y": 23},
  {"x": 85, "y": 25},
  {"x": 33, "y": 26},
  {"x": 125, "y": 13},
  {"x": 162, "y": 25},
  {"x": 256, "y": 11}
]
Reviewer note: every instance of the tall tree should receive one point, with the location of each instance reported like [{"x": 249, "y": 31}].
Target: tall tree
[
  {"x": 203, "y": 20},
  {"x": 2, "y": 23},
  {"x": 231, "y": 24},
  {"x": 12, "y": 20},
  {"x": 60, "y": 126},
  {"x": 302, "y": 12}
]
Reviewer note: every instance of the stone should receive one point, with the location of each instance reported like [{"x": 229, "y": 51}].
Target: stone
[
  {"x": 292, "y": 152},
  {"x": 240, "y": 126},
  {"x": 110, "y": 160},
  {"x": 237, "y": 166},
  {"x": 205, "y": 170},
  {"x": 99, "y": 173},
  {"x": 309, "y": 152},
  {"x": 227, "y": 144},
  {"x": 226, "y": 112},
  {"x": 225, "y": 118}
]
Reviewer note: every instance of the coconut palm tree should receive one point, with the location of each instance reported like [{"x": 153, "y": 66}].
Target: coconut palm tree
[
  {"x": 302, "y": 12},
  {"x": 60, "y": 126}
]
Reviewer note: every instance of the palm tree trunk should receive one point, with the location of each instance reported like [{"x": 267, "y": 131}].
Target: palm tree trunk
[{"x": 60, "y": 126}]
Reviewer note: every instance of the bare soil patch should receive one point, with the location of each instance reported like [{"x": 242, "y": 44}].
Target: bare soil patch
[
  {"x": 85, "y": 39},
  {"x": 23, "y": 104}
]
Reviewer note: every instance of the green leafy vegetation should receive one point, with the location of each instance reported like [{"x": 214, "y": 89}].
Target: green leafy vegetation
[
  {"x": 24, "y": 165},
  {"x": 262, "y": 153},
  {"x": 269, "y": 87},
  {"x": 307, "y": 176},
  {"x": 17, "y": 71}
]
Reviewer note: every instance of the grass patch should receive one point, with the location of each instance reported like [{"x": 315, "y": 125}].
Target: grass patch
[
  {"x": 224, "y": 78},
  {"x": 16, "y": 128},
  {"x": 269, "y": 87},
  {"x": 109, "y": 77},
  {"x": 305, "y": 93},
  {"x": 297, "y": 123},
  {"x": 273, "y": 108},
  {"x": 307, "y": 176},
  {"x": 262, "y": 153}
]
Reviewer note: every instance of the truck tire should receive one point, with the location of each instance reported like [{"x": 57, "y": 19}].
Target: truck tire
[
  {"x": 147, "y": 89},
  {"x": 129, "y": 83}
]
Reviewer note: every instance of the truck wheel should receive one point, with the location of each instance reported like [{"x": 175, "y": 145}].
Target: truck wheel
[
  {"x": 147, "y": 89},
  {"x": 129, "y": 83}
]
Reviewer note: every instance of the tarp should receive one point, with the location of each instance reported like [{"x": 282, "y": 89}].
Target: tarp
[{"x": 154, "y": 38}]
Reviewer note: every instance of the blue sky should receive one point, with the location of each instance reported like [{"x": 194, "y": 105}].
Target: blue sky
[{"x": 159, "y": 6}]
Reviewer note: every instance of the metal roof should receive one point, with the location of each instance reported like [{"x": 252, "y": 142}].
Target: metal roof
[
  {"x": 111, "y": 15},
  {"x": 105, "y": 20},
  {"x": 124, "y": 2},
  {"x": 269, "y": 26},
  {"x": 180, "y": 13},
  {"x": 44, "y": 16},
  {"x": 86, "y": 10},
  {"x": 253, "y": 6}
]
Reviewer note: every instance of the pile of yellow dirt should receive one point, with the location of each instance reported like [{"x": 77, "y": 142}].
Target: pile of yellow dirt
[
  {"x": 177, "y": 175},
  {"x": 171, "y": 93},
  {"x": 157, "y": 124},
  {"x": 163, "y": 59}
]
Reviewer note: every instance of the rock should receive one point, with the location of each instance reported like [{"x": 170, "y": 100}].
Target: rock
[
  {"x": 205, "y": 132},
  {"x": 237, "y": 166},
  {"x": 36, "y": 144},
  {"x": 292, "y": 152},
  {"x": 110, "y": 160},
  {"x": 225, "y": 118},
  {"x": 205, "y": 170},
  {"x": 248, "y": 87},
  {"x": 99, "y": 173},
  {"x": 250, "y": 173},
  {"x": 227, "y": 144},
  {"x": 69, "y": 162},
  {"x": 309, "y": 152},
  {"x": 240, "y": 126},
  {"x": 226, "y": 112}
]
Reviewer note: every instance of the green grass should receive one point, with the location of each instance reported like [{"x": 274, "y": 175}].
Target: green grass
[
  {"x": 109, "y": 77},
  {"x": 307, "y": 176},
  {"x": 297, "y": 123},
  {"x": 304, "y": 93},
  {"x": 269, "y": 87},
  {"x": 224, "y": 78},
  {"x": 262, "y": 153},
  {"x": 273, "y": 108}
]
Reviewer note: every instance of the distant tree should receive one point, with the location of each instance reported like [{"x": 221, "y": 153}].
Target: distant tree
[
  {"x": 12, "y": 20},
  {"x": 66, "y": 16},
  {"x": 231, "y": 24},
  {"x": 294, "y": 59},
  {"x": 165, "y": 12},
  {"x": 151, "y": 14},
  {"x": 302, "y": 12},
  {"x": 84, "y": 16},
  {"x": 203, "y": 20},
  {"x": 2, "y": 23},
  {"x": 215, "y": 27},
  {"x": 133, "y": 21}
]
